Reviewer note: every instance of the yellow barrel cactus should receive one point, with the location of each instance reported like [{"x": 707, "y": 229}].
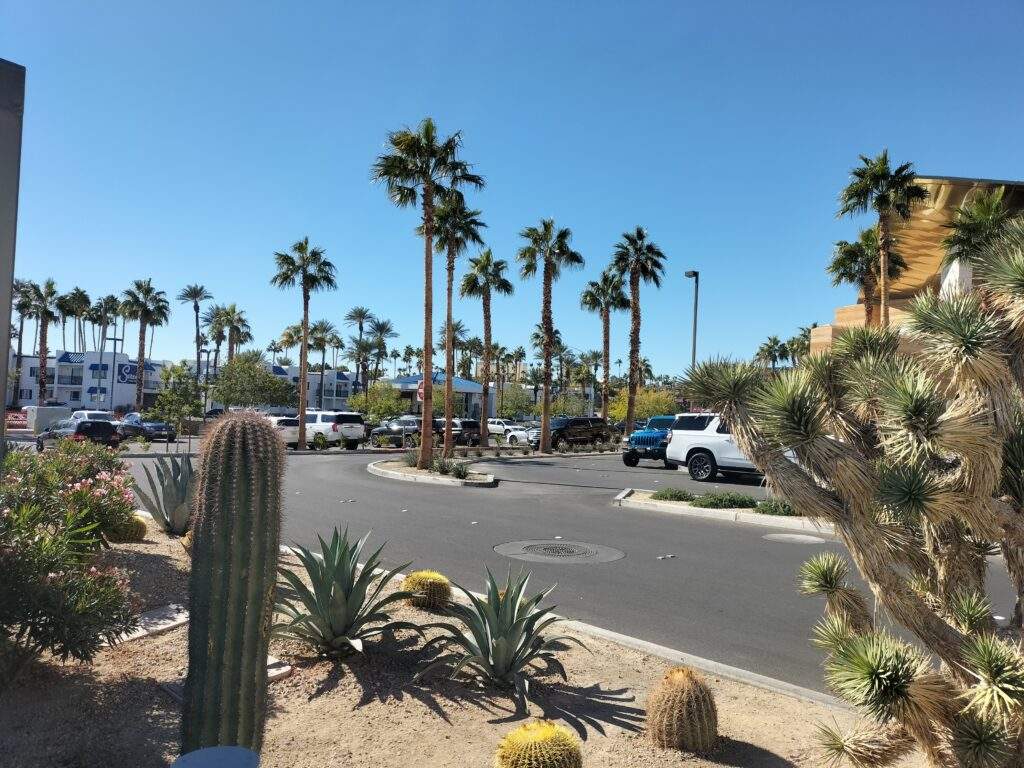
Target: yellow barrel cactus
[
  {"x": 431, "y": 589},
  {"x": 540, "y": 744},
  {"x": 681, "y": 712},
  {"x": 133, "y": 530}
]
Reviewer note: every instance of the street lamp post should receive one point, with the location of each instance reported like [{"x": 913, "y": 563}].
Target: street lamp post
[{"x": 696, "y": 297}]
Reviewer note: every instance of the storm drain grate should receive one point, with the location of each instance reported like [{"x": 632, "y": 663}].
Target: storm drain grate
[{"x": 554, "y": 551}]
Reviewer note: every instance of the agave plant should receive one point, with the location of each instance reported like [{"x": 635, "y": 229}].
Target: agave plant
[
  {"x": 171, "y": 501},
  {"x": 342, "y": 606},
  {"x": 503, "y": 638}
]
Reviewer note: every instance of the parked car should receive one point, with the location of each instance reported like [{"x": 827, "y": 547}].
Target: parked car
[
  {"x": 287, "y": 428},
  {"x": 135, "y": 425},
  {"x": 702, "y": 443},
  {"x": 102, "y": 432},
  {"x": 464, "y": 431},
  {"x": 93, "y": 416},
  {"x": 566, "y": 431},
  {"x": 518, "y": 435},
  {"x": 214, "y": 413},
  {"x": 649, "y": 442},
  {"x": 338, "y": 427},
  {"x": 400, "y": 431},
  {"x": 500, "y": 426}
]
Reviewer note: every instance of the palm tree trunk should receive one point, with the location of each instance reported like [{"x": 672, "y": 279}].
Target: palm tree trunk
[
  {"x": 605, "y": 358},
  {"x": 17, "y": 363},
  {"x": 195, "y": 309},
  {"x": 140, "y": 367},
  {"x": 63, "y": 333},
  {"x": 152, "y": 337},
  {"x": 486, "y": 374},
  {"x": 869, "y": 301},
  {"x": 426, "y": 427},
  {"x": 43, "y": 353},
  {"x": 634, "y": 347},
  {"x": 449, "y": 357},
  {"x": 323, "y": 360},
  {"x": 545, "y": 319},
  {"x": 883, "y": 267},
  {"x": 303, "y": 367}
]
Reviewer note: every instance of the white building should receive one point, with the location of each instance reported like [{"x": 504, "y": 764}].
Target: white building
[
  {"x": 86, "y": 380},
  {"x": 338, "y": 386}
]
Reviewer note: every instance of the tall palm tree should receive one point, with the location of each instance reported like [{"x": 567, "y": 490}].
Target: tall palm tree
[
  {"x": 216, "y": 331},
  {"x": 194, "y": 294},
  {"x": 321, "y": 334},
  {"x": 646, "y": 371},
  {"x": 604, "y": 296},
  {"x": 381, "y": 331},
  {"x": 772, "y": 352},
  {"x": 518, "y": 358},
  {"x": 79, "y": 302},
  {"x": 359, "y": 352},
  {"x": 456, "y": 227},
  {"x": 486, "y": 277},
  {"x": 65, "y": 310},
  {"x": 237, "y": 326},
  {"x": 858, "y": 263},
  {"x": 499, "y": 355},
  {"x": 592, "y": 359},
  {"x": 310, "y": 269},
  {"x": 21, "y": 294},
  {"x": 291, "y": 336},
  {"x": 358, "y": 317},
  {"x": 107, "y": 309},
  {"x": 46, "y": 311},
  {"x": 889, "y": 192},
  {"x": 642, "y": 261},
  {"x": 975, "y": 224},
  {"x": 337, "y": 344},
  {"x": 549, "y": 250},
  {"x": 148, "y": 306},
  {"x": 424, "y": 167},
  {"x": 274, "y": 349},
  {"x": 395, "y": 357},
  {"x": 799, "y": 346}
]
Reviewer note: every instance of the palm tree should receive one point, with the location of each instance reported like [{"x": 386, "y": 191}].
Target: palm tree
[
  {"x": 535, "y": 379},
  {"x": 455, "y": 228},
  {"x": 858, "y": 263},
  {"x": 518, "y": 358},
  {"x": 79, "y": 303},
  {"x": 194, "y": 294},
  {"x": 974, "y": 225},
  {"x": 888, "y": 192},
  {"x": 408, "y": 355},
  {"x": 22, "y": 292},
  {"x": 337, "y": 344},
  {"x": 46, "y": 311},
  {"x": 148, "y": 306},
  {"x": 285, "y": 362},
  {"x": 358, "y": 317},
  {"x": 107, "y": 310},
  {"x": 213, "y": 320},
  {"x": 237, "y": 326},
  {"x": 65, "y": 309},
  {"x": 423, "y": 166},
  {"x": 800, "y": 345},
  {"x": 359, "y": 352},
  {"x": 549, "y": 249},
  {"x": 312, "y": 271},
  {"x": 274, "y": 349},
  {"x": 321, "y": 334},
  {"x": 604, "y": 296},
  {"x": 381, "y": 331},
  {"x": 486, "y": 277},
  {"x": 395, "y": 357},
  {"x": 618, "y": 364},
  {"x": 498, "y": 354},
  {"x": 592, "y": 359},
  {"x": 643, "y": 261},
  {"x": 474, "y": 346},
  {"x": 291, "y": 336},
  {"x": 646, "y": 371},
  {"x": 772, "y": 352}
]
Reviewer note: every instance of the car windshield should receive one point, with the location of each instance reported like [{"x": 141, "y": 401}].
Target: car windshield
[
  {"x": 98, "y": 416},
  {"x": 559, "y": 423},
  {"x": 660, "y": 422}
]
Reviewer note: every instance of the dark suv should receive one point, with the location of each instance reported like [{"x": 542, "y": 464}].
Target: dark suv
[
  {"x": 566, "y": 431},
  {"x": 135, "y": 425},
  {"x": 102, "y": 432},
  {"x": 400, "y": 432}
]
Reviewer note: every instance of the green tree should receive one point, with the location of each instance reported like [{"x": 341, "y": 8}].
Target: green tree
[
  {"x": 247, "y": 383},
  {"x": 21, "y": 295},
  {"x": 649, "y": 402},
  {"x": 149, "y": 307},
  {"x": 565, "y": 404},
  {"x": 548, "y": 250},
  {"x": 310, "y": 269},
  {"x": 213, "y": 321},
  {"x": 858, "y": 264},
  {"x": 889, "y": 192},
  {"x": 321, "y": 334},
  {"x": 799, "y": 346},
  {"x": 642, "y": 261},
  {"x": 381, "y": 332},
  {"x": 421, "y": 166},
  {"x": 516, "y": 403},
  {"x": 179, "y": 398},
  {"x": 772, "y": 352},
  {"x": 194, "y": 294},
  {"x": 974, "y": 225},
  {"x": 358, "y": 318},
  {"x": 381, "y": 400},
  {"x": 604, "y": 296},
  {"x": 46, "y": 311}
]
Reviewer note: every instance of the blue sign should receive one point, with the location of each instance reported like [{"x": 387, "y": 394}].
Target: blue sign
[{"x": 126, "y": 373}]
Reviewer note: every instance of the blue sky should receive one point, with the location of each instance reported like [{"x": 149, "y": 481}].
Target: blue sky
[{"x": 187, "y": 141}]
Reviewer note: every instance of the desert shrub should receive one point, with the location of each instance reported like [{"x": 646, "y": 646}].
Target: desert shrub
[
  {"x": 775, "y": 507},
  {"x": 672, "y": 494},
  {"x": 725, "y": 500},
  {"x": 409, "y": 458},
  {"x": 460, "y": 471},
  {"x": 479, "y": 452},
  {"x": 382, "y": 441},
  {"x": 169, "y": 500},
  {"x": 443, "y": 466}
]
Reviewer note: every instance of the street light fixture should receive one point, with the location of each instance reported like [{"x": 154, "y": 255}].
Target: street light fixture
[{"x": 696, "y": 296}]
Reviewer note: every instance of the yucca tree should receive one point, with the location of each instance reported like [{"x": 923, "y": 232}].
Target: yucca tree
[
  {"x": 359, "y": 318},
  {"x": 456, "y": 227},
  {"x": 424, "y": 167},
  {"x": 772, "y": 352},
  {"x": 858, "y": 264},
  {"x": 974, "y": 224},
  {"x": 321, "y": 334},
  {"x": 45, "y": 309},
  {"x": 485, "y": 278},
  {"x": 892, "y": 194},
  {"x": 917, "y": 460},
  {"x": 604, "y": 296},
  {"x": 148, "y": 307},
  {"x": 641, "y": 261},
  {"x": 549, "y": 251},
  {"x": 309, "y": 268},
  {"x": 195, "y": 294}
]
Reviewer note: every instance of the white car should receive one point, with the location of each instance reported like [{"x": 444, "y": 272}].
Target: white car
[
  {"x": 287, "y": 428},
  {"x": 516, "y": 435},
  {"x": 93, "y": 416},
  {"x": 500, "y": 426},
  {"x": 702, "y": 443},
  {"x": 337, "y": 427}
]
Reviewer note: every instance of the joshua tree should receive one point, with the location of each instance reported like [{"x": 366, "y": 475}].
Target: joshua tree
[
  {"x": 549, "y": 250},
  {"x": 917, "y": 460},
  {"x": 312, "y": 271},
  {"x": 889, "y": 192},
  {"x": 45, "y": 309},
  {"x": 148, "y": 306},
  {"x": 642, "y": 261},
  {"x": 423, "y": 167},
  {"x": 358, "y": 318},
  {"x": 603, "y": 296},
  {"x": 194, "y": 294},
  {"x": 974, "y": 224},
  {"x": 456, "y": 227},
  {"x": 772, "y": 352},
  {"x": 858, "y": 263}
]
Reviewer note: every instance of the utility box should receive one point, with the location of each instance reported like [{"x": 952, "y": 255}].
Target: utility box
[{"x": 42, "y": 416}]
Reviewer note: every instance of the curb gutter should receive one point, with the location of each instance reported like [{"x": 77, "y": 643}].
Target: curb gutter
[{"x": 374, "y": 469}]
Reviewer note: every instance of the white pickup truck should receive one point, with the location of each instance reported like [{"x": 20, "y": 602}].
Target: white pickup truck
[{"x": 701, "y": 442}]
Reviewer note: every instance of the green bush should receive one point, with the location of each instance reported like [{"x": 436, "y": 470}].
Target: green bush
[
  {"x": 725, "y": 500},
  {"x": 443, "y": 466},
  {"x": 410, "y": 458},
  {"x": 672, "y": 494},
  {"x": 460, "y": 471},
  {"x": 775, "y": 507}
]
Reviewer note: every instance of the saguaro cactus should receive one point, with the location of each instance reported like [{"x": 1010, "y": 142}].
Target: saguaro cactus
[{"x": 236, "y": 531}]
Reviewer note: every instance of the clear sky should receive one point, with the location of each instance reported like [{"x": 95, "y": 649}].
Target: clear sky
[{"x": 187, "y": 141}]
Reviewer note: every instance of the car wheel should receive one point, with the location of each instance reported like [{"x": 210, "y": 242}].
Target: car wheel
[
  {"x": 39, "y": 446},
  {"x": 671, "y": 464},
  {"x": 630, "y": 458},
  {"x": 513, "y": 440},
  {"x": 702, "y": 467}
]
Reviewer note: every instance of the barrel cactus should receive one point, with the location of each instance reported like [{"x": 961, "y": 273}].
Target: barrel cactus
[
  {"x": 540, "y": 744},
  {"x": 430, "y": 589},
  {"x": 132, "y": 530},
  {"x": 681, "y": 712},
  {"x": 236, "y": 533}
]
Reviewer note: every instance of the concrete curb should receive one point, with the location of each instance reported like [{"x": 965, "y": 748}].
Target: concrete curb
[
  {"x": 373, "y": 469},
  {"x": 730, "y": 515}
]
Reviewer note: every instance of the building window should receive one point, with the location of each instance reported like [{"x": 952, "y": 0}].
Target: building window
[
  {"x": 25, "y": 394},
  {"x": 76, "y": 395},
  {"x": 33, "y": 373},
  {"x": 97, "y": 374}
]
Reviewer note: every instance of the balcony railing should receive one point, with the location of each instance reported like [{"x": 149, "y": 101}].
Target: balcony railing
[{"x": 71, "y": 380}]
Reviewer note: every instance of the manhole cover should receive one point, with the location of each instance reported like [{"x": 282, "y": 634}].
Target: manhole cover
[{"x": 554, "y": 551}]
